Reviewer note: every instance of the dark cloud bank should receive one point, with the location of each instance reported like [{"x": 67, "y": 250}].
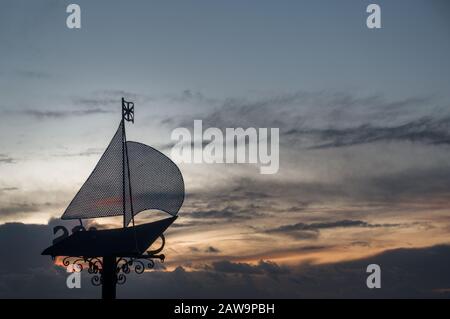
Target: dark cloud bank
[
  {"x": 405, "y": 273},
  {"x": 311, "y": 231},
  {"x": 319, "y": 120}
]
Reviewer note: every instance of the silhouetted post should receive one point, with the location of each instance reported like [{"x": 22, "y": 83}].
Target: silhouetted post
[{"x": 109, "y": 277}]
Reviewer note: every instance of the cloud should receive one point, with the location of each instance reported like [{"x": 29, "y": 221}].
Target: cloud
[
  {"x": 8, "y": 189},
  {"x": 192, "y": 97},
  {"x": 311, "y": 231},
  {"x": 212, "y": 250},
  {"x": 241, "y": 200},
  {"x": 192, "y": 224},
  {"x": 406, "y": 273},
  {"x": 24, "y": 273},
  {"x": 409, "y": 185},
  {"x": 425, "y": 182},
  {"x": 301, "y": 234},
  {"x": 328, "y": 225},
  {"x": 230, "y": 213},
  {"x": 334, "y": 147},
  {"x": 192, "y": 145},
  {"x": 208, "y": 250},
  {"x": 96, "y": 102},
  {"x": 27, "y": 74},
  {"x": 28, "y": 242},
  {"x": 63, "y": 114},
  {"x": 87, "y": 152},
  {"x": 32, "y": 74},
  {"x": 106, "y": 98},
  {"x": 18, "y": 208},
  {"x": 424, "y": 130},
  {"x": 319, "y": 120},
  {"x": 6, "y": 159},
  {"x": 263, "y": 267}
]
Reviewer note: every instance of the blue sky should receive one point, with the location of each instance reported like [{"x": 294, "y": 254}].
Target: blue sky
[
  {"x": 226, "y": 48},
  {"x": 219, "y": 49}
]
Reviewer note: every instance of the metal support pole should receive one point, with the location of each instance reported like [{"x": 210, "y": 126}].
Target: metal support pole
[{"x": 109, "y": 278}]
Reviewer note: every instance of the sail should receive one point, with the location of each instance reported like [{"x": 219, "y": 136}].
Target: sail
[
  {"x": 102, "y": 193},
  {"x": 154, "y": 182}
]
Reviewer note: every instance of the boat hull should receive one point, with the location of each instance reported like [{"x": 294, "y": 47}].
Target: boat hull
[{"x": 122, "y": 242}]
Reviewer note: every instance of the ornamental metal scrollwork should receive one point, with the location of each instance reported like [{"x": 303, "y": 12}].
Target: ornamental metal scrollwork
[
  {"x": 124, "y": 265},
  {"x": 94, "y": 264}
]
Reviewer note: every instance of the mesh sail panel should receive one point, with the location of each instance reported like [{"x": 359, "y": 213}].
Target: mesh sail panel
[
  {"x": 156, "y": 183},
  {"x": 102, "y": 193}
]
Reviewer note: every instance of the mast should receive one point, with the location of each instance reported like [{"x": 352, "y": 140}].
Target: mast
[
  {"x": 128, "y": 115},
  {"x": 123, "y": 164},
  {"x": 129, "y": 181}
]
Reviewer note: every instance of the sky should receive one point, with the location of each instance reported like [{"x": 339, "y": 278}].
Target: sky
[{"x": 364, "y": 119}]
